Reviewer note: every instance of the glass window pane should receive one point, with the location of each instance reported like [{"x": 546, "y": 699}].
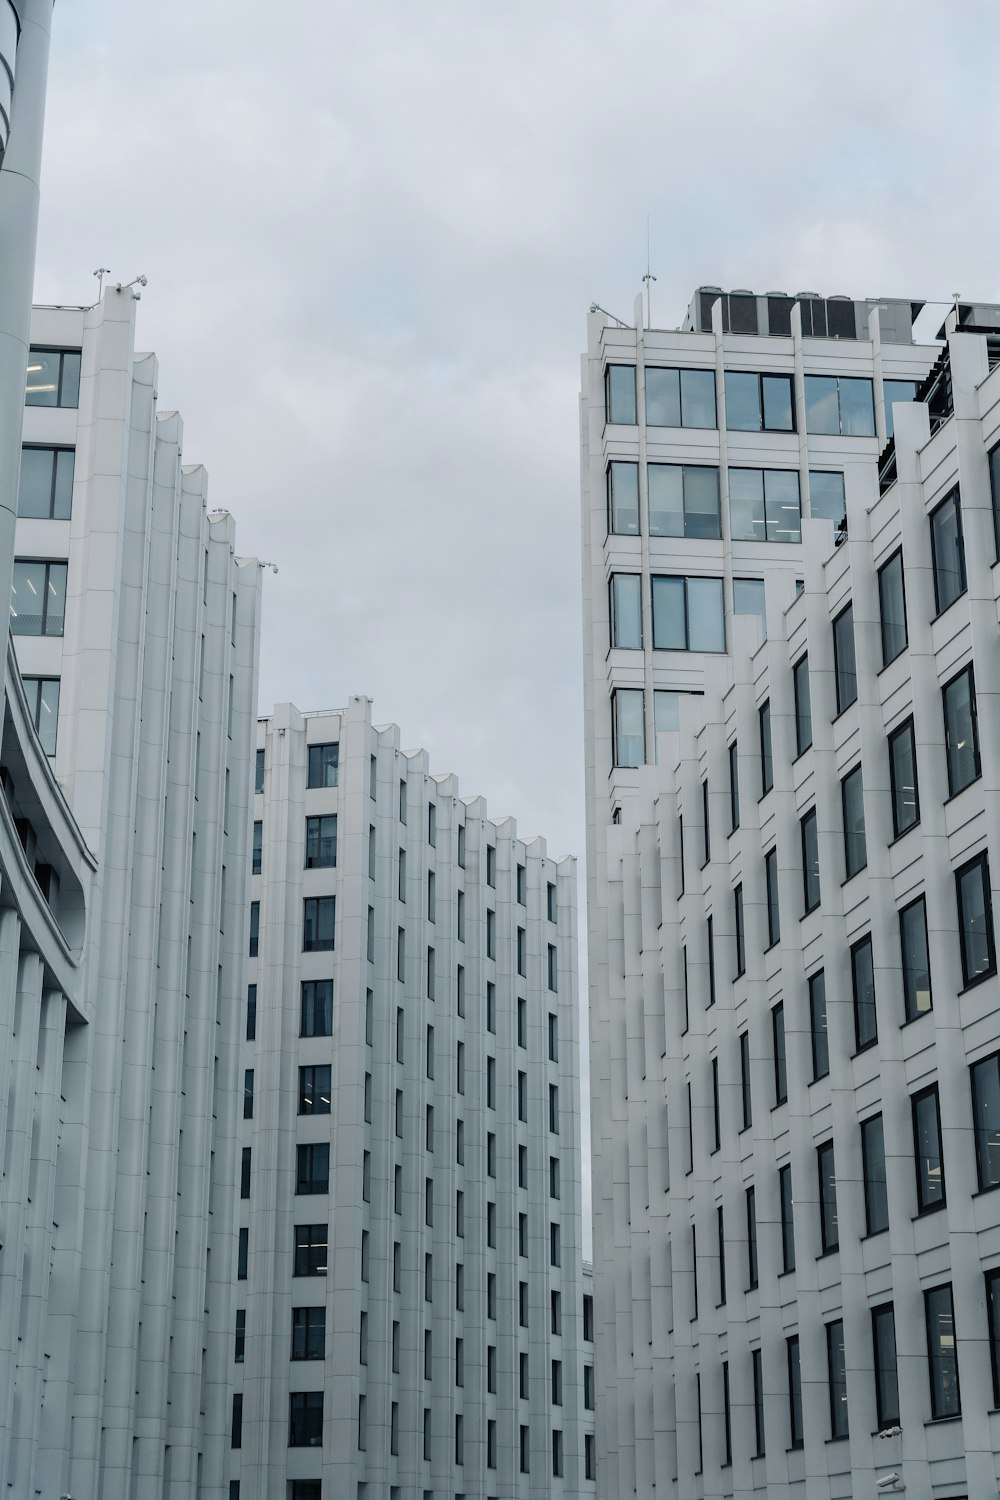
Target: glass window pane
[
  {"x": 748, "y": 599},
  {"x": 822, "y": 407},
  {"x": 948, "y": 552},
  {"x": 886, "y": 1377},
  {"x": 766, "y": 756},
  {"x": 916, "y": 963},
  {"x": 903, "y": 779},
  {"x": 621, "y": 394},
  {"x": 810, "y": 862},
  {"x": 666, "y": 712},
  {"x": 896, "y": 390},
  {"x": 701, "y": 502},
  {"x": 836, "y": 1360},
  {"x": 873, "y": 1168},
  {"x": 829, "y": 1224},
  {"x": 961, "y": 736},
  {"x": 803, "y": 705},
  {"x": 778, "y": 410},
  {"x": 742, "y": 402},
  {"x": 787, "y": 1218},
  {"x": 892, "y": 608},
  {"x": 927, "y": 1151},
  {"x": 69, "y": 395},
  {"x": 697, "y": 398},
  {"x": 863, "y": 983},
  {"x": 986, "y": 1119},
  {"x": 942, "y": 1353},
  {"x": 781, "y": 505},
  {"x": 746, "y": 505},
  {"x": 706, "y": 622},
  {"x": 630, "y": 734},
  {"x": 975, "y": 919},
  {"x": 666, "y": 499},
  {"x": 46, "y": 487},
  {"x": 626, "y": 619},
  {"x": 623, "y": 489},
  {"x": 826, "y": 496},
  {"x": 663, "y": 400},
  {"x": 857, "y": 408},
  {"x": 27, "y": 600},
  {"x": 852, "y": 798},
  {"x": 817, "y": 1020},
  {"x": 42, "y": 386},
  {"x": 55, "y": 598},
  {"x": 773, "y": 912},
  {"x": 669, "y": 631},
  {"x": 844, "y": 661}
]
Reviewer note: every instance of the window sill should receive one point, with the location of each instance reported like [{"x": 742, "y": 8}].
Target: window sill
[
  {"x": 911, "y": 1020},
  {"x": 848, "y": 878},
  {"x": 843, "y": 1438},
  {"x": 800, "y": 753},
  {"x": 860, "y": 1051},
  {"x": 980, "y": 979},
  {"x": 809, "y": 911},
  {"x": 947, "y": 801},
  {"x": 825, "y": 1254},
  {"x": 887, "y": 664},
  {"x": 941, "y": 612},
  {"x": 771, "y": 946},
  {"x": 928, "y": 1213},
  {"x": 842, "y": 711},
  {"x": 760, "y": 799},
  {"x": 780, "y": 1104},
  {"x": 874, "y": 1235},
  {"x": 898, "y": 838},
  {"x": 984, "y": 1192},
  {"x": 940, "y": 1421}
]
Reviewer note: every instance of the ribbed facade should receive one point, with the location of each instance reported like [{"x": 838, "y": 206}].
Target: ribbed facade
[
  {"x": 409, "y": 1315},
  {"x": 794, "y": 1017}
]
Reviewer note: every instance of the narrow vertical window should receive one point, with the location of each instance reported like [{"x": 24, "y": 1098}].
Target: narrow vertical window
[
  {"x": 993, "y": 1326},
  {"x": 828, "y": 1221},
  {"x": 928, "y": 1159},
  {"x": 705, "y": 821},
  {"x": 787, "y": 1218},
  {"x": 873, "y": 1173},
  {"x": 853, "y": 808},
  {"x": 803, "y": 705},
  {"x": 758, "y": 1403},
  {"x": 745, "y": 1079},
  {"x": 836, "y": 1370},
  {"x": 845, "y": 667},
  {"x": 628, "y": 718},
  {"x": 626, "y": 611},
  {"x": 892, "y": 608},
  {"x": 961, "y": 731},
  {"x": 794, "y": 1392},
  {"x": 619, "y": 394},
  {"x": 716, "y": 1121},
  {"x": 766, "y": 758},
  {"x": 771, "y": 883},
  {"x": 623, "y": 498},
  {"x": 741, "y": 961},
  {"x": 817, "y": 1025},
  {"x": 947, "y": 551},
  {"x": 734, "y": 785},
  {"x": 942, "y": 1353},
  {"x": 751, "y": 1199},
  {"x": 778, "y": 1040},
  {"x": 903, "y": 779},
  {"x": 985, "y": 1077},
  {"x": 975, "y": 920},
  {"x": 720, "y": 1226},
  {"x": 863, "y": 986},
  {"x": 711, "y": 961},
  {"x": 886, "y": 1375},
  {"x": 915, "y": 959},
  {"x": 809, "y": 837}
]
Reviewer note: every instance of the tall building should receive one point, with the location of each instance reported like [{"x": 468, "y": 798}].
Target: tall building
[
  {"x": 135, "y": 628},
  {"x": 791, "y": 612},
  {"x": 410, "y": 1310}
]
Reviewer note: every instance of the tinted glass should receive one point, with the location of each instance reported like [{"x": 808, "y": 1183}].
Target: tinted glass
[
  {"x": 666, "y": 712},
  {"x": 844, "y": 662},
  {"x": 781, "y": 505},
  {"x": 863, "y": 981},
  {"x": 43, "y": 704},
  {"x": 857, "y": 408},
  {"x": 822, "y": 407},
  {"x": 666, "y": 499},
  {"x": 621, "y": 393},
  {"x": 771, "y": 881},
  {"x": 742, "y": 402},
  {"x": 701, "y": 502},
  {"x": 324, "y": 762},
  {"x": 873, "y": 1168},
  {"x": 903, "y": 779},
  {"x": 817, "y": 1020},
  {"x": 623, "y": 498},
  {"x": 787, "y": 1219},
  {"x": 836, "y": 1362},
  {"x": 986, "y": 1119},
  {"x": 975, "y": 920},
  {"x": 53, "y": 378},
  {"x": 663, "y": 399},
  {"x": 916, "y": 962},
  {"x": 778, "y": 1040},
  {"x": 746, "y": 505},
  {"x": 995, "y": 489},
  {"x": 803, "y": 705},
  {"x": 852, "y": 800},
  {"x": 886, "y": 1377},
  {"x": 46, "y": 485},
  {"x": 630, "y": 746},
  {"x": 748, "y": 599},
  {"x": 706, "y": 622},
  {"x": 810, "y": 861},
  {"x": 892, "y": 608},
  {"x": 927, "y": 1151},
  {"x": 942, "y": 1353},
  {"x": 766, "y": 759},
  {"x": 896, "y": 390},
  {"x": 794, "y": 1393},
  {"x": 829, "y": 1227},
  {"x": 961, "y": 731},
  {"x": 626, "y": 618},
  {"x": 948, "y": 552},
  {"x": 697, "y": 398},
  {"x": 669, "y": 629},
  {"x": 826, "y": 496},
  {"x": 779, "y": 412}
]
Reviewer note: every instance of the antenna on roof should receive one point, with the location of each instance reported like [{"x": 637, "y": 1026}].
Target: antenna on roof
[
  {"x": 649, "y": 277},
  {"x": 100, "y": 273}
]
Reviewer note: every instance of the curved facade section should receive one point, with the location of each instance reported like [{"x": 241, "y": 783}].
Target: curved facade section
[{"x": 8, "y": 52}]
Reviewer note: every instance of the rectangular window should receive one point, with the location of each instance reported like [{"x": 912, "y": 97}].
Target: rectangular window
[
  {"x": 555, "y": 1300},
  {"x": 553, "y": 1037},
  {"x": 947, "y": 551},
  {"x": 522, "y": 1097},
  {"x": 45, "y": 491},
  {"x": 985, "y": 1077},
  {"x": 721, "y": 1233},
  {"x": 766, "y": 757},
  {"x": 705, "y": 823},
  {"x": 863, "y": 987},
  {"x": 727, "y": 1416},
  {"x": 749, "y": 598},
  {"x": 896, "y": 390},
  {"x": 623, "y": 498},
  {"x": 892, "y": 608},
  {"x": 491, "y": 1295},
  {"x": 588, "y": 1388},
  {"x": 778, "y": 1040},
  {"x": 524, "y": 1449},
  {"x": 460, "y": 916},
  {"x": 588, "y": 1318},
  {"x": 431, "y": 973},
  {"x": 710, "y": 934},
  {"x": 759, "y": 403},
  {"x": 236, "y": 1431},
  {"x": 942, "y": 1353},
  {"x": 629, "y": 726},
  {"x": 619, "y": 394},
  {"x": 42, "y": 694},
  {"x": 552, "y": 971},
  {"x": 734, "y": 785},
  {"x": 54, "y": 380},
  {"x": 316, "y": 1008},
  {"x": 257, "y": 854},
  {"x": 975, "y": 920},
  {"x": 771, "y": 884},
  {"x": 827, "y": 501},
  {"x": 258, "y": 785},
  {"x": 993, "y": 1325},
  {"x": 248, "y": 1094},
  {"x": 522, "y": 1303},
  {"x": 460, "y": 1067},
  {"x": 432, "y": 824},
  {"x": 318, "y": 923},
  {"x": 555, "y": 1245},
  {"x": 886, "y": 1376},
  {"x": 927, "y": 1155},
  {"x": 915, "y": 959},
  {"x": 716, "y": 1121},
  {"x": 683, "y": 501},
  {"x": 741, "y": 961},
  {"x": 554, "y": 1108},
  {"x": 522, "y": 952},
  {"x": 758, "y": 1403},
  {"x": 961, "y": 731},
  {"x": 844, "y": 663},
  {"x": 251, "y": 1033},
  {"x": 794, "y": 1392},
  {"x": 828, "y": 1222},
  {"x": 680, "y": 398},
  {"x": 873, "y": 1174},
  {"x": 38, "y": 598},
  {"x": 839, "y": 405},
  {"x": 308, "y": 1333},
  {"x": 550, "y": 902},
  {"x": 240, "y": 1341},
  {"x": 626, "y": 611},
  {"x": 818, "y": 1028},
  {"x": 853, "y": 808},
  {"x": 688, "y": 614},
  {"x": 751, "y": 1198},
  {"x": 401, "y": 954},
  {"x": 305, "y": 1419},
  {"x": 245, "y": 1172},
  {"x": 787, "y": 1218},
  {"x": 810, "y": 861},
  {"x": 321, "y": 842},
  {"x": 553, "y": 1177},
  {"x": 836, "y": 1371},
  {"x": 324, "y": 763},
  {"x": 242, "y": 1254},
  {"x": 765, "y": 505},
  {"x": 312, "y": 1167},
  {"x": 310, "y": 1250},
  {"x": 903, "y": 779},
  {"x": 803, "y": 705},
  {"x": 314, "y": 1089},
  {"x": 745, "y": 1079},
  {"x": 491, "y": 1083},
  {"x": 402, "y": 801},
  {"x": 371, "y": 851}
]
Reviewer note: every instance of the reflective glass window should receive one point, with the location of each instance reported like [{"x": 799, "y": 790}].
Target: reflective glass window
[
  {"x": 628, "y": 713},
  {"x": 749, "y": 599},
  {"x": 961, "y": 731},
  {"x": 38, "y": 598},
  {"x": 915, "y": 959},
  {"x": 828, "y": 1219},
  {"x": 688, "y": 614},
  {"x": 947, "y": 551},
  {"x": 886, "y": 1374},
  {"x": 53, "y": 377},
  {"x": 903, "y": 779},
  {"x": 928, "y": 1159},
  {"x": 896, "y": 390},
  {"x": 810, "y": 861},
  {"x": 873, "y": 1174},
  {"x": 683, "y": 500},
  {"x": 827, "y": 501},
  {"x": 45, "y": 491},
  {"x": 836, "y": 1367},
  {"x": 892, "y": 608},
  {"x": 845, "y": 667},
  {"x": 680, "y": 398},
  {"x": 623, "y": 498},
  {"x": 817, "y": 1025},
  {"x": 985, "y": 1077},
  {"x": 324, "y": 762},
  {"x": 42, "y": 694},
  {"x": 942, "y": 1353},
  {"x": 626, "y": 611},
  {"x": 863, "y": 985},
  {"x": 975, "y": 920},
  {"x": 803, "y": 705},
  {"x": 853, "y": 807},
  {"x": 619, "y": 390}
]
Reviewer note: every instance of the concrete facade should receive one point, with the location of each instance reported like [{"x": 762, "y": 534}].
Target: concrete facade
[
  {"x": 409, "y": 1317},
  {"x": 794, "y": 1115}
]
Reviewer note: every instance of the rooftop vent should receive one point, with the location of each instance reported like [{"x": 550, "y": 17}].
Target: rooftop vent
[{"x": 807, "y": 294}]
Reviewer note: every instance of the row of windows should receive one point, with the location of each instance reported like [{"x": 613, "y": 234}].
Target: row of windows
[
  {"x": 754, "y": 402},
  {"x": 683, "y": 500}
]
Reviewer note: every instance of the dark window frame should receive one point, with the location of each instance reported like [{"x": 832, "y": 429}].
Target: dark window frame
[
  {"x": 883, "y": 574},
  {"x": 895, "y": 737},
  {"x": 982, "y": 862},
  {"x": 954, "y": 500}
]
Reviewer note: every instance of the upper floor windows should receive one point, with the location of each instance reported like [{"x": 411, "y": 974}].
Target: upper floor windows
[
  {"x": 904, "y": 792},
  {"x": 839, "y": 405},
  {"x": 892, "y": 608},
  {"x": 995, "y": 491},
  {"x": 749, "y": 599},
  {"x": 803, "y": 705},
  {"x": 43, "y": 705},
  {"x": 844, "y": 664},
  {"x": 318, "y": 924},
  {"x": 680, "y": 398},
  {"x": 759, "y": 403},
  {"x": 975, "y": 920},
  {"x": 683, "y": 500},
  {"x": 827, "y": 501},
  {"x": 947, "y": 551},
  {"x": 619, "y": 394},
  {"x": 961, "y": 731},
  {"x": 628, "y": 726},
  {"x": 764, "y": 505},
  {"x": 623, "y": 498},
  {"x": 986, "y": 1120},
  {"x": 321, "y": 842},
  {"x": 896, "y": 390},
  {"x": 38, "y": 598},
  {"x": 688, "y": 614},
  {"x": 53, "y": 377},
  {"x": 46, "y": 489},
  {"x": 626, "y": 611},
  {"x": 324, "y": 763}
]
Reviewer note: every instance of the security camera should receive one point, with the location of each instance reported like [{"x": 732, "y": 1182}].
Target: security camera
[
  {"x": 890, "y": 1482},
  {"x": 889, "y": 1432},
  {"x": 142, "y": 281}
]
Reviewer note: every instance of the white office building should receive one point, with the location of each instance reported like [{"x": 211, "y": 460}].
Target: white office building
[
  {"x": 410, "y": 1305},
  {"x": 791, "y": 637}
]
